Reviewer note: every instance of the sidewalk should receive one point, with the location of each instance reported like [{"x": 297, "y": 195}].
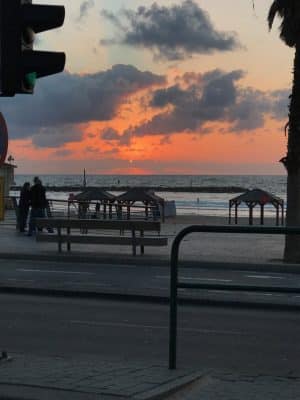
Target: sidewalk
[
  {"x": 214, "y": 248},
  {"x": 228, "y": 386},
  {"x": 43, "y": 378},
  {"x": 48, "y": 378}
]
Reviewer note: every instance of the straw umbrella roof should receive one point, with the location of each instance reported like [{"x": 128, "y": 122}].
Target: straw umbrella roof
[
  {"x": 140, "y": 194},
  {"x": 94, "y": 195},
  {"x": 256, "y": 196}
]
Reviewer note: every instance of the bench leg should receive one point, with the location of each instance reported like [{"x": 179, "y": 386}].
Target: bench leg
[
  {"x": 69, "y": 243},
  {"x": 59, "y": 240},
  {"x": 142, "y": 247},
  {"x": 133, "y": 243}
]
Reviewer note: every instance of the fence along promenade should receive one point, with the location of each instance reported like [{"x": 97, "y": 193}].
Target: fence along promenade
[{"x": 59, "y": 208}]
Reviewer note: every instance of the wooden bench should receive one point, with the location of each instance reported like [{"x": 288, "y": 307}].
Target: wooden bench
[{"x": 65, "y": 232}]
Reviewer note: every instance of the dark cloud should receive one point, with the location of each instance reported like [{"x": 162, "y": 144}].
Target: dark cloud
[
  {"x": 85, "y": 6},
  {"x": 215, "y": 96},
  {"x": 252, "y": 106},
  {"x": 63, "y": 101},
  {"x": 64, "y": 104},
  {"x": 205, "y": 99},
  {"x": 53, "y": 137},
  {"x": 110, "y": 134},
  {"x": 172, "y": 33},
  {"x": 280, "y": 103}
]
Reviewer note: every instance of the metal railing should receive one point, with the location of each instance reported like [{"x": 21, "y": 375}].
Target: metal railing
[
  {"x": 176, "y": 284},
  {"x": 71, "y": 209}
]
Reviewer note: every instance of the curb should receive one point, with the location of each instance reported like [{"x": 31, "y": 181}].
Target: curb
[
  {"x": 86, "y": 259},
  {"x": 150, "y": 299},
  {"x": 276, "y": 266},
  {"x": 168, "y": 389}
]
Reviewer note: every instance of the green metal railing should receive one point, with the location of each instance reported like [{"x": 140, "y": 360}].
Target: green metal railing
[{"x": 176, "y": 284}]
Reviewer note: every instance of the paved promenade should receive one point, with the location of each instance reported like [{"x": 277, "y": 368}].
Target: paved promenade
[
  {"x": 30, "y": 377},
  {"x": 227, "y": 386},
  {"x": 36, "y": 378},
  {"x": 197, "y": 246}
]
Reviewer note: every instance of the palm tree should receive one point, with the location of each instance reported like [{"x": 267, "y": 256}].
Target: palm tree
[{"x": 289, "y": 12}]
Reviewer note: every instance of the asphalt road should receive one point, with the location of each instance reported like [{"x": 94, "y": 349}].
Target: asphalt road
[
  {"x": 142, "y": 279},
  {"x": 244, "y": 341}
]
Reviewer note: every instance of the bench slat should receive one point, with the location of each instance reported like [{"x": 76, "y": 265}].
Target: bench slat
[
  {"x": 88, "y": 239},
  {"x": 98, "y": 224}
]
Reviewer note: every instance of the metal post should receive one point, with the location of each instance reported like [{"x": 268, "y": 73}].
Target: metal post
[
  {"x": 262, "y": 214},
  {"x": 59, "y": 239},
  {"x": 250, "y": 214},
  {"x": 68, "y": 242},
  {"x": 133, "y": 242},
  {"x": 142, "y": 247},
  {"x": 173, "y": 305}
]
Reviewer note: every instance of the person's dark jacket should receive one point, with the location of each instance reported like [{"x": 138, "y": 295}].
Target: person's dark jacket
[
  {"x": 38, "y": 196},
  {"x": 25, "y": 197}
]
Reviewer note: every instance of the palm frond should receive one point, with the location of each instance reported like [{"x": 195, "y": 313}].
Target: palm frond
[
  {"x": 288, "y": 11},
  {"x": 274, "y": 9}
]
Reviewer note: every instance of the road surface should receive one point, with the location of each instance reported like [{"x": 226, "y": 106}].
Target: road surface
[
  {"x": 141, "y": 279},
  {"x": 244, "y": 341}
]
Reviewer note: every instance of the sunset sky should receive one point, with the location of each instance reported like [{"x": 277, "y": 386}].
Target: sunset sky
[{"x": 166, "y": 87}]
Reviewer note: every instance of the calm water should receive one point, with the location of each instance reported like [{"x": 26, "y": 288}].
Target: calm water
[{"x": 186, "y": 203}]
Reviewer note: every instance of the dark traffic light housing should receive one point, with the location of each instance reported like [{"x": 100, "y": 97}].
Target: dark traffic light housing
[{"x": 20, "y": 64}]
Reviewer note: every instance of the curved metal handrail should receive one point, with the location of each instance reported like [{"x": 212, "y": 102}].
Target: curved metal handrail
[{"x": 175, "y": 284}]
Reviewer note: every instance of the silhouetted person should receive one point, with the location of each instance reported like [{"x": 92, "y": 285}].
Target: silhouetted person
[
  {"x": 97, "y": 210},
  {"x": 38, "y": 203},
  {"x": 24, "y": 204}
]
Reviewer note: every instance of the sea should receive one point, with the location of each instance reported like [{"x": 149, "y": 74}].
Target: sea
[{"x": 207, "y": 201}]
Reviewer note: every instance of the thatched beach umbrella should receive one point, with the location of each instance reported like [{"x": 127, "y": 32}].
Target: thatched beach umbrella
[
  {"x": 99, "y": 195},
  {"x": 143, "y": 195},
  {"x": 255, "y": 197}
]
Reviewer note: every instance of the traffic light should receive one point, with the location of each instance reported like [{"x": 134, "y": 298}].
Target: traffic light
[{"x": 20, "y": 64}]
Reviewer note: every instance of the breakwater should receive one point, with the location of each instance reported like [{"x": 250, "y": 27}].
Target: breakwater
[{"x": 186, "y": 189}]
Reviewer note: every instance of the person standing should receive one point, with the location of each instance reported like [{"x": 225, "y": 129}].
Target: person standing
[
  {"x": 38, "y": 203},
  {"x": 24, "y": 204}
]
